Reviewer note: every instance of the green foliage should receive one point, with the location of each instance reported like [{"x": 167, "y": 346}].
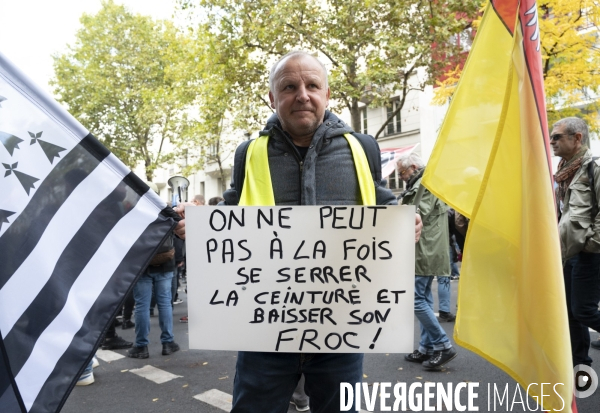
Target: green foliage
[
  {"x": 372, "y": 47},
  {"x": 228, "y": 103},
  {"x": 126, "y": 79}
]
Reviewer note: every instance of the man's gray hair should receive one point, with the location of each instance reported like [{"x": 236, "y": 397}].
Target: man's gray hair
[
  {"x": 574, "y": 125},
  {"x": 199, "y": 199},
  {"x": 289, "y": 55},
  {"x": 411, "y": 159}
]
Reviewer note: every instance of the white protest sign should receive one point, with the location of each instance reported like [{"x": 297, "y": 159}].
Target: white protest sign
[{"x": 301, "y": 278}]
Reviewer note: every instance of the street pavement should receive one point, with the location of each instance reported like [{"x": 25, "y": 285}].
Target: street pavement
[{"x": 202, "y": 381}]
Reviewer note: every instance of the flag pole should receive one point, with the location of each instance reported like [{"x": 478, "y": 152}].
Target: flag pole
[{"x": 418, "y": 198}]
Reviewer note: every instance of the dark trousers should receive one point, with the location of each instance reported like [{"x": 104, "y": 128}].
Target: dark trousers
[
  {"x": 265, "y": 382},
  {"x": 111, "y": 331},
  {"x": 582, "y": 286},
  {"x": 128, "y": 306}
]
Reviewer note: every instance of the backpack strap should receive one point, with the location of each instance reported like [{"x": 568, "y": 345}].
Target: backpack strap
[
  {"x": 373, "y": 153},
  {"x": 239, "y": 168},
  {"x": 361, "y": 164},
  {"x": 369, "y": 144},
  {"x": 590, "y": 174}
]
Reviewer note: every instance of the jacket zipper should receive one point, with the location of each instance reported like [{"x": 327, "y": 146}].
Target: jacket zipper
[{"x": 296, "y": 155}]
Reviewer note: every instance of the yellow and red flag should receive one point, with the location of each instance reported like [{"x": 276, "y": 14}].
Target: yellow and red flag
[{"x": 491, "y": 163}]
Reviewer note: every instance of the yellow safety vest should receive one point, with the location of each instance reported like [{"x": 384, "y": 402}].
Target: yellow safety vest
[{"x": 258, "y": 189}]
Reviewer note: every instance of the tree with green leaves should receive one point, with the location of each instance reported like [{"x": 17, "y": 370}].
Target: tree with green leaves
[
  {"x": 228, "y": 103},
  {"x": 373, "y": 48},
  {"x": 126, "y": 80}
]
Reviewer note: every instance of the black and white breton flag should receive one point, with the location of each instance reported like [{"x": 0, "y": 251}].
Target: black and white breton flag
[{"x": 76, "y": 229}]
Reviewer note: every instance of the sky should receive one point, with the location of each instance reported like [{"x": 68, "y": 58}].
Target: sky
[{"x": 31, "y": 31}]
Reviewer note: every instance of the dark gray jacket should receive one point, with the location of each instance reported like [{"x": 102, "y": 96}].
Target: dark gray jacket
[{"x": 326, "y": 176}]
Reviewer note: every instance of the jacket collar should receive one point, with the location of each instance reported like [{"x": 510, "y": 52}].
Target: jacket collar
[
  {"x": 415, "y": 178},
  {"x": 331, "y": 126}
]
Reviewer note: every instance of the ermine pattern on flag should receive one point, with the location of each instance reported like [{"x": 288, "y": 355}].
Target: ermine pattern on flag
[{"x": 77, "y": 227}]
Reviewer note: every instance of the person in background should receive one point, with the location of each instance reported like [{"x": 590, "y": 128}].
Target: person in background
[
  {"x": 87, "y": 377},
  {"x": 577, "y": 196},
  {"x": 215, "y": 200},
  {"x": 157, "y": 278},
  {"x": 457, "y": 242},
  {"x": 431, "y": 259},
  {"x": 179, "y": 263},
  {"x": 198, "y": 200},
  {"x": 455, "y": 255}
]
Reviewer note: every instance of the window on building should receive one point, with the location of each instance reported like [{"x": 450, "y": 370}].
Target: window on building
[
  {"x": 587, "y": 18},
  {"x": 395, "y": 124},
  {"x": 465, "y": 39},
  {"x": 394, "y": 182},
  {"x": 364, "y": 123},
  {"x": 213, "y": 150}
]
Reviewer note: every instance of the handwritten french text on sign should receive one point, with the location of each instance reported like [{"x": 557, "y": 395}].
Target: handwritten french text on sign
[{"x": 301, "y": 279}]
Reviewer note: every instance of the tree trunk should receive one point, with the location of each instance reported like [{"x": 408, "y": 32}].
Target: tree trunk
[
  {"x": 221, "y": 171},
  {"x": 149, "y": 172},
  {"x": 355, "y": 116}
]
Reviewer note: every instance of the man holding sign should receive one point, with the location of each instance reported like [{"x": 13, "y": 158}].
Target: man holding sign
[{"x": 304, "y": 156}]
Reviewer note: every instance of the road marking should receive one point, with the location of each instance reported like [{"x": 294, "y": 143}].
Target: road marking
[
  {"x": 222, "y": 400},
  {"x": 108, "y": 356},
  {"x": 151, "y": 373},
  {"x": 216, "y": 398}
]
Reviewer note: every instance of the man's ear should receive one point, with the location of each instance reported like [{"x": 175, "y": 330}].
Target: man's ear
[
  {"x": 272, "y": 99},
  {"x": 578, "y": 137}
]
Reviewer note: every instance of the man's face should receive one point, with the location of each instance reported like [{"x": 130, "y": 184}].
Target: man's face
[
  {"x": 406, "y": 173},
  {"x": 563, "y": 144},
  {"x": 300, "y": 96}
]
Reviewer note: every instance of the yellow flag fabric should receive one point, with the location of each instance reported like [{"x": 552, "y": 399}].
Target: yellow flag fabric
[{"x": 491, "y": 164}]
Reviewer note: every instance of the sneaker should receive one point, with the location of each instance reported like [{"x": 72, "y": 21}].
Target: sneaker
[
  {"x": 417, "y": 357},
  {"x": 440, "y": 358},
  {"x": 301, "y": 405},
  {"x": 86, "y": 379},
  {"x": 446, "y": 316},
  {"x": 169, "y": 348},
  {"x": 115, "y": 343},
  {"x": 596, "y": 344},
  {"x": 183, "y": 319},
  {"x": 127, "y": 324},
  {"x": 138, "y": 353},
  {"x": 95, "y": 362},
  {"x": 178, "y": 301}
]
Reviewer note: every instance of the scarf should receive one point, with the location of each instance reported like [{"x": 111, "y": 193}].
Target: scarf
[{"x": 566, "y": 171}]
